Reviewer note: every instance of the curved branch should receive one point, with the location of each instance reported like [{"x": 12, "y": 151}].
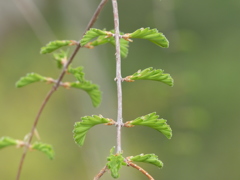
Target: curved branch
[{"x": 55, "y": 87}]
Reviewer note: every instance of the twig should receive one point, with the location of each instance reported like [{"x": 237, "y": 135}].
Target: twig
[
  {"x": 140, "y": 169},
  {"x": 118, "y": 74},
  {"x": 54, "y": 88},
  {"x": 99, "y": 175}
]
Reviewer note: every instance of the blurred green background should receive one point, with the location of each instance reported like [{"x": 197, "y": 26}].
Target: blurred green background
[{"x": 202, "y": 107}]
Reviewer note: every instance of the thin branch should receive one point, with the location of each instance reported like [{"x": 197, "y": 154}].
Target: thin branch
[
  {"x": 140, "y": 169},
  {"x": 99, "y": 175},
  {"x": 118, "y": 74},
  {"x": 54, "y": 88}
]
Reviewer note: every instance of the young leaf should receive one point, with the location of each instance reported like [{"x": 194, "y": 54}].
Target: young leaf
[
  {"x": 92, "y": 33},
  {"x": 92, "y": 90},
  {"x": 123, "y": 47},
  {"x": 7, "y": 141},
  {"x": 152, "y": 35},
  {"x": 45, "y": 148},
  {"x": 30, "y": 78},
  {"x": 78, "y": 73},
  {"x": 147, "y": 158},
  {"x": 102, "y": 39},
  {"x": 81, "y": 128},
  {"x": 151, "y": 74},
  {"x": 115, "y": 162},
  {"x": 151, "y": 120},
  {"x": 61, "y": 58},
  {"x": 54, "y": 45}
]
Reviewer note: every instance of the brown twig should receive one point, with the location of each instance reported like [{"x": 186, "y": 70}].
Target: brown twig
[
  {"x": 118, "y": 74},
  {"x": 55, "y": 87},
  {"x": 140, "y": 169},
  {"x": 99, "y": 175}
]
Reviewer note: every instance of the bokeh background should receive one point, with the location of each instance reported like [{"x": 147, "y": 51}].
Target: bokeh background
[{"x": 202, "y": 107}]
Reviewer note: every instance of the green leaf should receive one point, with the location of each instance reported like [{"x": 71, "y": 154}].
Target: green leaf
[
  {"x": 102, "y": 39},
  {"x": 147, "y": 158},
  {"x": 61, "y": 58},
  {"x": 45, "y": 148},
  {"x": 7, "y": 141},
  {"x": 54, "y": 45},
  {"x": 90, "y": 34},
  {"x": 92, "y": 90},
  {"x": 123, "y": 47},
  {"x": 81, "y": 128},
  {"x": 78, "y": 73},
  {"x": 151, "y": 74},
  {"x": 152, "y": 35},
  {"x": 115, "y": 162},
  {"x": 30, "y": 78},
  {"x": 151, "y": 120}
]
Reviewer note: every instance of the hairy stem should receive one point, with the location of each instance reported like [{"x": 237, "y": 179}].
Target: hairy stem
[
  {"x": 118, "y": 74},
  {"x": 54, "y": 88},
  {"x": 99, "y": 175}
]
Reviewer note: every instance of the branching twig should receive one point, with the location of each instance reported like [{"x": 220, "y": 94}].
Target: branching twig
[
  {"x": 118, "y": 74},
  {"x": 99, "y": 175},
  {"x": 54, "y": 88}
]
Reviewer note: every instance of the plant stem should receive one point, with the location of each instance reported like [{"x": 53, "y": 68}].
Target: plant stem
[
  {"x": 99, "y": 175},
  {"x": 141, "y": 170},
  {"x": 55, "y": 87},
  {"x": 118, "y": 74}
]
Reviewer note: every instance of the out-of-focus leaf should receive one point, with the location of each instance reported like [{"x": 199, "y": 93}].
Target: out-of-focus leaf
[
  {"x": 152, "y": 35},
  {"x": 61, "y": 58},
  {"x": 92, "y": 90},
  {"x": 30, "y": 78},
  {"x": 81, "y": 128},
  {"x": 7, "y": 141},
  {"x": 123, "y": 47},
  {"x": 78, "y": 73},
  {"x": 151, "y": 74},
  {"x": 147, "y": 158},
  {"x": 115, "y": 162},
  {"x": 54, "y": 45},
  {"x": 102, "y": 39},
  {"x": 151, "y": 120},
  {"x": 45, "y": 148},
  {"x": 90, "y": 34}
]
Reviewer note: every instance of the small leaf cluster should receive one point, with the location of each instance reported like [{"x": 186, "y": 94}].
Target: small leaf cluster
[
  {"x": 104, "y": 37},
  {"x": 61, "y": 58},
  {"x": 115, "y": 162}
]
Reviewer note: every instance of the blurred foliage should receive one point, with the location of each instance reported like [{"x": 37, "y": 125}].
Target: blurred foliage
[{"x": 203, "y": 59}]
